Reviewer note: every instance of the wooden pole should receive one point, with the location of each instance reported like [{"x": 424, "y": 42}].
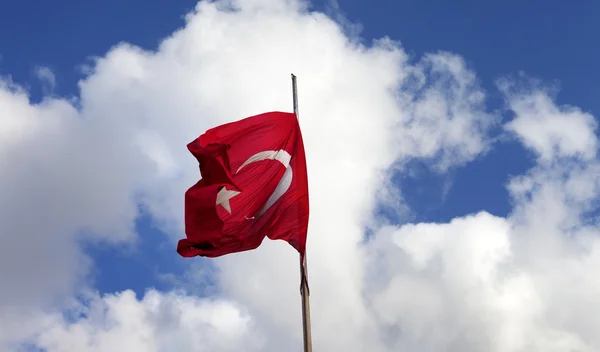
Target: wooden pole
[{"x": 304, "y": 292}]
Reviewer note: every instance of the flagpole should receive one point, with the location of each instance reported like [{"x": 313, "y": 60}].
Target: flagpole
[{"x": 304, "y": 292}]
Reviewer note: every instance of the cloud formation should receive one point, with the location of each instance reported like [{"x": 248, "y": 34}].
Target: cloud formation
[
  {"x": 158, "y": 322},
  {"x": 47, "y": 77},
  {"x": 478, "y": 283},
  {"x": 551, "y": 132}
]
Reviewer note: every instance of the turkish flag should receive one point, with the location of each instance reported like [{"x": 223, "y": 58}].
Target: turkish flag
[{"x": 254, "y": 184}]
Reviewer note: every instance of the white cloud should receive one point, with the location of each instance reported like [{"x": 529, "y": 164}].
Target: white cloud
[
  {"x": 157, "y": 322},
  {"x": 60, "y": 176},
  {"x": 479, "y": 283},
  {"x": 484, "y": 283},
  {"x": 446, "y": 112},
  {"x": 548, "y": 130},
  {"x": 47, "y": 77}
]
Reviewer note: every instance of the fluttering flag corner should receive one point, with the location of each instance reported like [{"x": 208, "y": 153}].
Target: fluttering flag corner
[{"x": 253, "y": 185}]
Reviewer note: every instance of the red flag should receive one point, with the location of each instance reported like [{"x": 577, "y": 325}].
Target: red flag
[{"x": 254, "y": 184}]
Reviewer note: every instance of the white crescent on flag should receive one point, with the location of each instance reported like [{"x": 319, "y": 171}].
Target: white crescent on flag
[{"x": 284, "y": 158}]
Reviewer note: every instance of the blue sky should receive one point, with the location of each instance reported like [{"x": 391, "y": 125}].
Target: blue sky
[{"x": 551, "y": 41}]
